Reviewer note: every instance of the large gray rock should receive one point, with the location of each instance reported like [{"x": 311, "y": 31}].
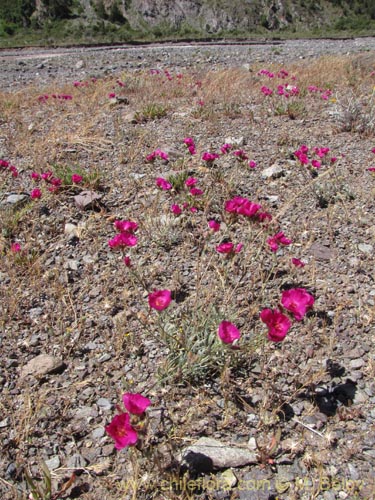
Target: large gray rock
[
  {"x": 41, "y": 365},
  {"x": 208, "y": 454}
]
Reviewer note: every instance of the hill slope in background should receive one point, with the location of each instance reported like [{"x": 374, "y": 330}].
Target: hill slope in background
[{"x": 126, "y": 19}]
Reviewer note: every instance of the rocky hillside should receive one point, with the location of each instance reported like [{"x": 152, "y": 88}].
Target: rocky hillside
[{"x": 186, "y": 17}]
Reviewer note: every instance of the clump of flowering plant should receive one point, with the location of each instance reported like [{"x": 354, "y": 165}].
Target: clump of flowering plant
[{"x": 125, "y": 427}]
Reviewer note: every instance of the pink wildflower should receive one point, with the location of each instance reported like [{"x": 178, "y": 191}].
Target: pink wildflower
[
  {"x": 176, "y": 209},
  {"x": 229, "y": 248},
  {"x": 189, "y": 141},
  {"x": 241, "y": 155},
  {"x": 214, "y": 225},
  {"x": 266, "y": 91},
  {"x": 228, "y": 332},
  {"x": 124, "y": 239},
  {"x": 35, "y": 176},
  {"x": 209, "y": 157},
  {"x": 298, "y": 263},
  {"x": 15, "y": 247},
  {"x": 163, "y": 184},
  {"x": 135, "y": 403},
  {"x": 56, "y": 181},
  {"x": 191, "y": 181},
  {"x": 373, "y": 150},
  {"x": 252, "y": 164},
  {"x": 298, "y": 301},
  {"x": 278, "y": 239},
  {"x": 278, "y": 324},
  {"x": 127, "y": 261},
  {"x": 77, "y": 179},
  {"x": 14, "y": 171},
  {"x": 46, "y": 175},
  {"x": 225, "y": 247},
  {"x": 124, "y": 226},
  {"x": 121, "y": 431},
  {"x": 159, "y": 299},
  {"x": 35, "y": 194},
  {"x": 195, "y": 191},
  {"x": 242, "y": 206},
  {"x": 111, "y": 95},
  {"x": 161, "y": 154},
  {"x": 316, "y": 163},
  {"x": 225, "y": 148}
]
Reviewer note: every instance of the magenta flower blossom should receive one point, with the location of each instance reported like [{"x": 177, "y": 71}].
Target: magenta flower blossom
[
  {"x": 35, "y": 194},
  {"x": 127, "y": 261},
  {"x": 15, "y": 247},
  {"x": 135, "y": 403},
  {"x": 189, "y": 141},
  {"x": 276, "y": 240},
  {"x": 191, "y": 145},
  {"x": 159, "y": 299},
  {"x": 125, "y": 226},
  {"x": 214, "y": 225},
  {"x": 373, "y": 150},
  {"x": 225, "y": 148},
  {"x": 124, "y": 239},
  {"x": 321, "y": 152},
  {"x": 176, "y": 209},
  {"x": 266, "y": 90},
  {"x": 229, "y": 248},
  {"x": 209, "y": 157},
  {"x": 252, "y": 164},
  {"x": 225, "y": 247},
  {"x": 191, "y": 181},
  {"x": 56, "y": 181},
  {"x": 302, "y": 157},
  {"x": 298, "y": 301},
  {"x": 241, "y": 155},
  {"x": 121, "y": 431},
  {"x": 228, "y": 332},
  {"x": 195, "y": 191},
  {"x": 77, "y": 179},
  {"x": 163, "y": 184},
  {"x": 46, "y": 175},
  {"x": 161, "y": 154},
  {"x": 316, "y": 163},
  {"x": 278, "y": 324},
  {"x": 35, "y": 176},
  {"x": 242, "y": 206},
  {"x": 298, "y": 263},
  {"x": 111, "y": 95}
]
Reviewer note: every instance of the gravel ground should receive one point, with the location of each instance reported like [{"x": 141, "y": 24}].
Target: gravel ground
[{"x": 74, "y": 335}]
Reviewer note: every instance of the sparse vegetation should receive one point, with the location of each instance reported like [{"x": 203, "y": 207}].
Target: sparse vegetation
[{"x": 213, "y": 286}]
